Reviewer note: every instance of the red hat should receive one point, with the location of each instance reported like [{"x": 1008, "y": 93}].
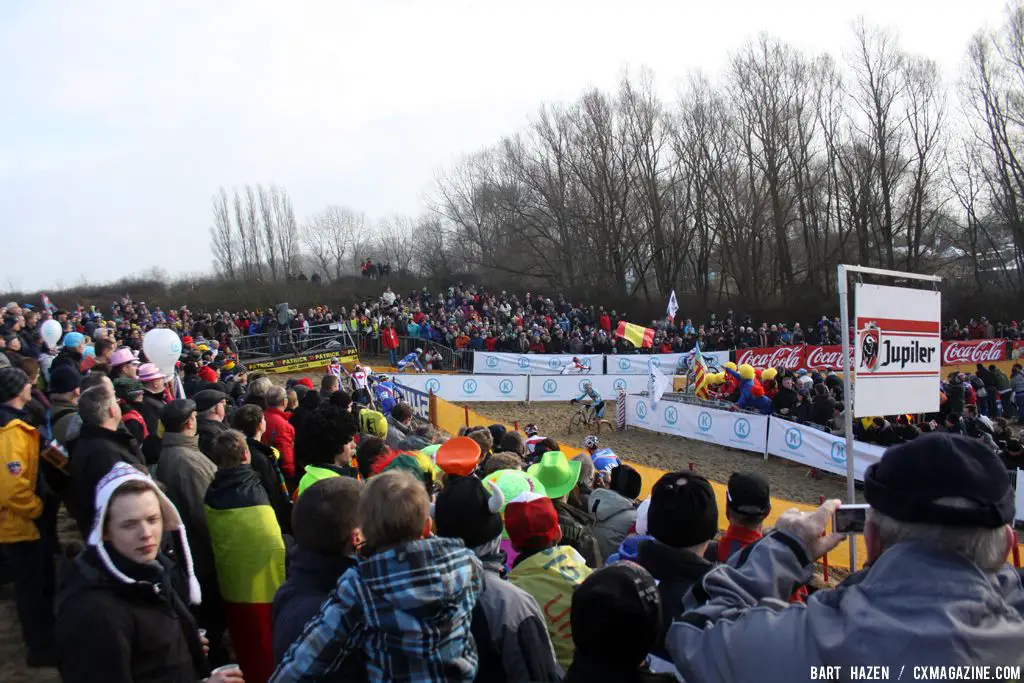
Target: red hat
[
  {"x": 207, "y": 374},
  {"x": 186, "y": 340},
  {"x": 532, "y": 522},
  {"x": 306, "y": 382}
]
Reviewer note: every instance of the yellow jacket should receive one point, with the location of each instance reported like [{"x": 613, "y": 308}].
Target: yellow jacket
[{"x": 19, "y": 473}]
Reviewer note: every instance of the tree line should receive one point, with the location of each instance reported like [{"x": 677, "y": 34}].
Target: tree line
[{"x": 752, "y": 185}]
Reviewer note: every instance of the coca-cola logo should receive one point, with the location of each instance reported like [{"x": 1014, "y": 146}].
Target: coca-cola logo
[
  {"x": 961, "y": 353},
  {"x": 782, "y": 357},
  {"x": 830, "y": 357}
]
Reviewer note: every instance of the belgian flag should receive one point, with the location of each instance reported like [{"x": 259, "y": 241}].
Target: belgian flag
[{"x": 638, "y": 335}]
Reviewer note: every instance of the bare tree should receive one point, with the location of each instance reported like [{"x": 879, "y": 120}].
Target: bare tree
[
  {"x": 396, "y": 243},
  {"x": 327, "y": 236},
  {"x": 222, "y": 238},
  {"x": 268, "y": 203}
]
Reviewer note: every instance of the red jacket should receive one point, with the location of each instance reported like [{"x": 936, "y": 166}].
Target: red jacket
[
  {"x": 605, "y": 322},
  {"x": 389, "y": 338},
  {"x": 281, "y": 435}
]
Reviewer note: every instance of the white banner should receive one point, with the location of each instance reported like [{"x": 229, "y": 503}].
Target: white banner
[
  {"x": 468, "y": 387},
  {"x": 725, "y": 428},
  {"x": 1020, "y": 495},
  {"x": 898, "y": 351},
  {"x": 636, "y": 364},
  {"x": 815, "y": 448},
  {"x": 488, "y": 363},
  {"x": 567, "y": 387}
]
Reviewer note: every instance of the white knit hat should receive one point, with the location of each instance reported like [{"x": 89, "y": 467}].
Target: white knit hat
[
  {"x": 118, "y": 476},
  {"x": 641, "y": 517}
]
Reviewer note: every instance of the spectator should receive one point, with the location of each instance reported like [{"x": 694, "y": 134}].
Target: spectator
[
  {"x": 389, "y": 339},
  {"x": 559, "y": 476},
  {"x": 102, "y": 442},
  {"x": 123, "y": 363},
  {"x": 508, "y": 626},
  {"x": 545, "y": 569},
  {"x": 399, "y": 425},
  {"x": 937, "y": 537},
  {"x": 328, "y": 385},
  {"x": 212, "y": 407},
  {"x": 309, "y": 402},
  {"x": 616, "y": 620},
  {"x": 327, "y": 540},
  {"x": 123, "y": 611},
  {"x": 65, "y": 388},
  {"x": 325, "y": 446},
  {"x": 186, "y": 474},
  {"x": 153, "y": 383},
  {"x": 71, "y": 353},
  {"x": 129, "y": 393},
  {"x": 372, "y": 455},
  {"x": 683, "y": 518},
  {"x": 248, "y": 552},
  {"x": 24, "y": 548},
  {"x": 514, "y": 442},
  {"x": 785, "y": 400},
  {"x": 280, "y": 434},
  {"x": 614, "y": 508},
  {"x": 406, "y": 607},
  {"x": 264, "y": 460},
  {"x": 501, "y": 461}
]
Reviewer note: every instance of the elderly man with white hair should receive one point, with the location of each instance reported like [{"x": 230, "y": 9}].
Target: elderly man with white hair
[{"x": 937, "y": 591}]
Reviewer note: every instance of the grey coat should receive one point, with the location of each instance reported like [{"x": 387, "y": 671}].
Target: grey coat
[
  {"x": 614, "y": 515},
  {"x": 186, "y": 473},
  {"x": 917, "y": 605}
]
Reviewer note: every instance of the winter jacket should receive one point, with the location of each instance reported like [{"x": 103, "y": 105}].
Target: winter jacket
[
  {"x": 61, "y": 412},
  {"x": 407, "y": 610},
  {"x": 785, "y": 399},
  {"x": 735, "y": 539},
  {"x": 584, "y": 670},
  {"x": 208, "y": 431},
  {"x": 1017, "y": 382},
  {"x": 95, "y": 453},
  {"x": 20, "y": 503},
  {"x": 117, "y": 632},
  {"x": 67, "y": 356},
  {"x": 186, "y": 475},
  {"x": 248, "y": 552},
  {"x": 397, "y": 432},
  {"x": 905, "y": 610},
  {"x": 314, "y": 473},
  {"x": 676, "y": 571},
  {"x": 510, "y": 632},
  {"x": 389, "y": 339},
  {"x": 955, "y": 398},
  {"x": 265, "y": 463},
  {"x": 311, "y": 578},
  {"x": 614, "y": 515},
  {"x": 281, "y": 435},
  {"x": 551, "y": 576},
  {"x": 577, "y": 531}
]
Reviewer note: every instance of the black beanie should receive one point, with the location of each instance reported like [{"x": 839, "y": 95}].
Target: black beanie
[
  {"x": 682, "y": 514},
  {"x": 616, "y": 615},
  {"x": 626, "y": 481},
  {"x": 469, "y": 509},
  {"x": 910, "y": 478},
  {"x": 12, "y": 381}
]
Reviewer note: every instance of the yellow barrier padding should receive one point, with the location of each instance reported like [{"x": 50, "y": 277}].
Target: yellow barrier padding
[{"x": 452, "y": 417}]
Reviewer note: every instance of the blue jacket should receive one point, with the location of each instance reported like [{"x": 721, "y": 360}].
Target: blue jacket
[{"x": 408, "y": 610}]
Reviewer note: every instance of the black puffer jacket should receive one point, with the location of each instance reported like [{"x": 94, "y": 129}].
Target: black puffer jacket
[
  {"x": 118, "y": 632},
  {"x": 96, "y": 451}
]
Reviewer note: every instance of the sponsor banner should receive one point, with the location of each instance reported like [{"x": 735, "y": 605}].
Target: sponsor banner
[
  {"x": 974, "y": 352},
  {"x": 825, "y": 357},
  {"x": 818, "y": 449},
  {"x": 418, "y": 400},
  {"x": 898, "y": 350},
  {"x": 568, "y": 387},
  {"x": 306, "y": 361},
  {"x": 726, "y": 428},
  {"x": 779, "y": 357},
  {"x": 637, "y": 364},
  {"x": 488, "y": 363},
  {"x": 468, "y": 387}
]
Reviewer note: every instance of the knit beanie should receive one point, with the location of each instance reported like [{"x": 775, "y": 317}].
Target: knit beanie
[
  {"x": 468, "y": 508},
  {"x": 120, "y": 474},
  {"x": 683, "y": 510},
  {"x": 12, "y": 381}
]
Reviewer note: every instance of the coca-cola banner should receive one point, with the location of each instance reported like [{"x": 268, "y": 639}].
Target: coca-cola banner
[
  {"x": 825, "y": 357},
  {"x": 972, "y": 352},
  {"x": 793, "y": 357}
]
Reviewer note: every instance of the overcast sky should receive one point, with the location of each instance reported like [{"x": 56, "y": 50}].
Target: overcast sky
[{"x": 119, "y": 120}]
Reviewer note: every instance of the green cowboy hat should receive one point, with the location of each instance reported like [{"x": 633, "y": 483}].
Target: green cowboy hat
[{"x": 556, "y": 472}]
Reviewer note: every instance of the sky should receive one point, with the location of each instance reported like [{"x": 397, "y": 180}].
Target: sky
[{"x": 119, "y": 120}]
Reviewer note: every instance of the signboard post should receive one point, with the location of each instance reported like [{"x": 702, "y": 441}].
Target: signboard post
[{"x": 890, "y": 345}]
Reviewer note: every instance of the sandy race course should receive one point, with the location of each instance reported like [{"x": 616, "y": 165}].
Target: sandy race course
[{"x": 663, "y": 451}]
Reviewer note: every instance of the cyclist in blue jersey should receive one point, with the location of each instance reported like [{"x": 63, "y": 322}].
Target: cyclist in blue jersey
[
  {"x": 385, "y": 393},
  {"x": 604, "y": 459},
  {"x": 411, "y": 360},
  {"x": 596, "y": 402}
]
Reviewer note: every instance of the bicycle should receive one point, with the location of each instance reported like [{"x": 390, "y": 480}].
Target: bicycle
[{"x": 585, "y": 417}]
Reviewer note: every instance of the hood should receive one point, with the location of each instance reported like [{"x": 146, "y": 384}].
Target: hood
[
  {"x": 237, "y": 487},
  {"x": 8, "y": 415},
  {"x": 316, "y": 570},
  {"x": 433, "y": 581},
  {"x": 666, "y": 563},
  {"x": 580, "y": 516},
  {"x": 605, "y": 504}
]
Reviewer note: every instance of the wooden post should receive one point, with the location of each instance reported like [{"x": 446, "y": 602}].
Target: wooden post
[
  {"x": 1016, "y": 551},
  {"x": 466, "y": 409},
  {"x": 515, "y": 425}
]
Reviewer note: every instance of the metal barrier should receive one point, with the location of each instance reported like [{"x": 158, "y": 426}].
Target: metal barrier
[{"x": 287, "y": 341}]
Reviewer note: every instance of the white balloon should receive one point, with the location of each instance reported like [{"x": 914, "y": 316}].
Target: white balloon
[
  {"x": 162, "y": 348},
  {"x": 51, "y": 331}
]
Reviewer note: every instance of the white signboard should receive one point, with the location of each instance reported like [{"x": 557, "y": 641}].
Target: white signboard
[
  {"x": 898, "y": 351},
  {"x": 818, "y": 449},
  {"x": 488, "y": 363},
  {"x": 725, "y": 428},
  {"x": 567, "y": 387},
  {"x": 468, "y": 387},
  {"x": 1020, "y": 495},
  {"x": 637, "y": 364}
]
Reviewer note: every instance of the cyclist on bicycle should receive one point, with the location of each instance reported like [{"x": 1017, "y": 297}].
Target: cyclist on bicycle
[
  {"x": 596, "y": 402},
  {"x": 604, "y": 459},
  {"x": 577, "y": 366},
  {"x": 411, "y": 360}
]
